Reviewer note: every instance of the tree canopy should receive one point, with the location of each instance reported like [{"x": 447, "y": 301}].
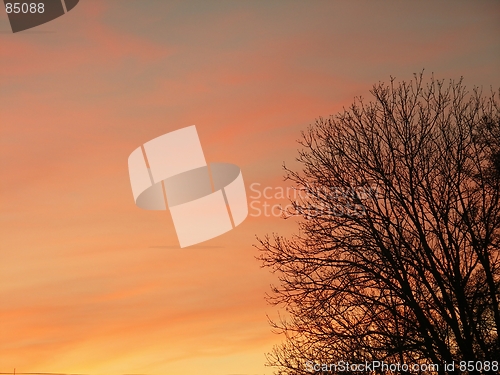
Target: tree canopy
[{"x": 397, "y": 257}]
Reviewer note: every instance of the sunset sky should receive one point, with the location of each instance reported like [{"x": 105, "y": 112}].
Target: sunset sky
[{"x": 90, "y": 283}]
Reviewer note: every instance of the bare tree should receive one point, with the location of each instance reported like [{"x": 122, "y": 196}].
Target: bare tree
[{"x": 398, "y": 253}]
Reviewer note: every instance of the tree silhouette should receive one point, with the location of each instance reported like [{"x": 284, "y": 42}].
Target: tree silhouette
[{"x": 397, "y": 257}]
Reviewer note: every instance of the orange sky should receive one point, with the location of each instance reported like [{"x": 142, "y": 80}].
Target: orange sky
[{"x": 89, "y": 283}]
